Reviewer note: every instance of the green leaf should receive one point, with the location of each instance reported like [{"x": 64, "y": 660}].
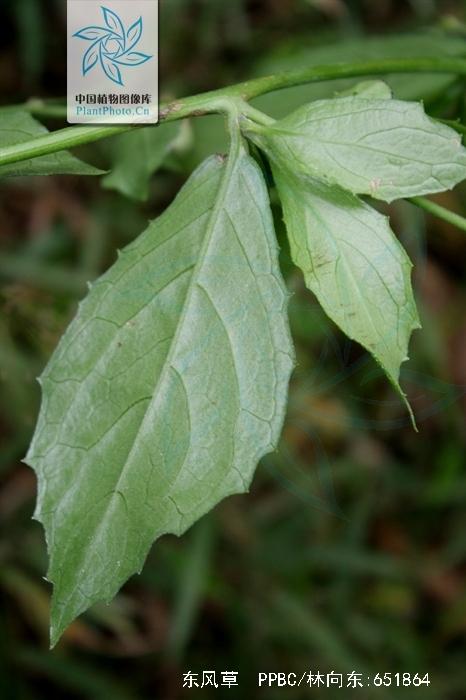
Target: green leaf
[
  {"x": 355, "y": 266},
  {"x": 137, "y": 155},
  {"x": 167, "y": 388},
  {"x": 375, "y": 89},
  {"x": 384, "y": 148},
  {"x": 16, "y": 126}
]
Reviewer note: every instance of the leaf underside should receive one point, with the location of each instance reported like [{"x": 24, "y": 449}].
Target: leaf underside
[
  {"x": 355, "y": 266},
  {"x": 167, "y": 388},
  {"x": 17, "y": 126},
  {"x": 171, "y": 382},
  {"x": 380, "y": 147}
]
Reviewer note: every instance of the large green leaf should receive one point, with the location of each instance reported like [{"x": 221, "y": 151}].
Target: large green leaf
[
  {"x": 137, "y": 155},
  {"x": 16, "y": 126},
  {"x": 167, "y": 388},
  {"x": 354, "y": 265},
  {"x": 384, "y": 148}
]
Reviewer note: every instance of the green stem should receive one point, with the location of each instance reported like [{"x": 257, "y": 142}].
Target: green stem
[
  {"x": 437, "y": 210},
  {"x": 59, "y": 140},
  {"x": 208, "y": 103}
]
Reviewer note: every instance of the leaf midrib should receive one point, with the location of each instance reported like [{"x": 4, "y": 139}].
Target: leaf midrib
[{"x": 223, "y": 187}]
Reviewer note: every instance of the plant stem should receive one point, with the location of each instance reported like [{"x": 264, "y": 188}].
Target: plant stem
[
  {"x": 208, "y": 102},
  {"x": 437, "y": 210}
]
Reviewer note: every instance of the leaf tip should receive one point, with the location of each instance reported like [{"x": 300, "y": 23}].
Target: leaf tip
[
  {"x": 61, "y": 616},
  {"x": 55, "y": 634}
]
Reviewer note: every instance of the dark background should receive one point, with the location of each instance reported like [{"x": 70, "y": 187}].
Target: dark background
[{"x": 350, "y": 551}]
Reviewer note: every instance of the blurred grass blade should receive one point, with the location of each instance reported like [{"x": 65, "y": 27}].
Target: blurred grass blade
[
  {"x": 73, "y": 676},
  {"x": 191, "y": 587}
]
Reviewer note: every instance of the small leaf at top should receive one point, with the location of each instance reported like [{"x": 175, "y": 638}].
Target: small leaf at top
[
  {"x": 17, "y": 126},
  {"x": 167, "y": 388},
  {"x": 355, "y": 266},
  {"x": 384, "y": 148},
  {"x": 375, "y": 89}
]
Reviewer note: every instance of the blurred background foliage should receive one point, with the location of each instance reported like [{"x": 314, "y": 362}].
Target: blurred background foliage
[{"x": 350, "y": 551}]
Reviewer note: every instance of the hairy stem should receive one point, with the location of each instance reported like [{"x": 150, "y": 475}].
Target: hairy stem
[
  {"x": 214, "y": 101},
  {"x": 437, "y": 210}
]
